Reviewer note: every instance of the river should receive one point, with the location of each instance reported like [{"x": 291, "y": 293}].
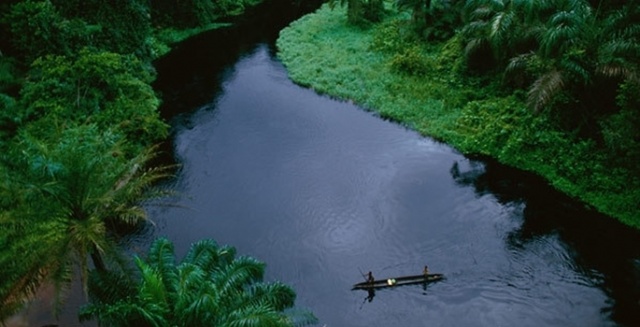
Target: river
[{"x": 322, "y": 191}]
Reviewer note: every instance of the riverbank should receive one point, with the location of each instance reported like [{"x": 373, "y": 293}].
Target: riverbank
[{"x": 369, "y": 67}]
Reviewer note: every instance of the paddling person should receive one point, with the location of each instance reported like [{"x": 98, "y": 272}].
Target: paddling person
[
  {"x": 425, "y": 271},
  {"x": 370, "y": 278}
]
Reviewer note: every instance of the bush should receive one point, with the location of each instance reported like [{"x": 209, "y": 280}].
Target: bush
[
  {"x": 410, "y": 61},
  {"x": 102, "y": 87}
]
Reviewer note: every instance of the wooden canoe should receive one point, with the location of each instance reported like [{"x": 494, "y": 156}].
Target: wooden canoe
[{"x": 399, "y": 281}]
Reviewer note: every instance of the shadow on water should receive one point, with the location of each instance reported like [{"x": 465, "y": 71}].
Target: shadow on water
[
  {"x": 189, "y": 79},
  {"x": 603, "y": 250}
]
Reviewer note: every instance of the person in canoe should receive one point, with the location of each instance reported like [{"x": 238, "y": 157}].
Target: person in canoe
[
  {"x": 425, "y": 272},
  {"x": 370, "y": 278}
]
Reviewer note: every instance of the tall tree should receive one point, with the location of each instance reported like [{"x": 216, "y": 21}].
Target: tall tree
[
  {"x": 209, "y": 287},
  {"x": 120, "y": 26},
  {"x": 107, "y": 88},
  {"x": 70, "y": 193},
  {"x": 37, "y": 28}
]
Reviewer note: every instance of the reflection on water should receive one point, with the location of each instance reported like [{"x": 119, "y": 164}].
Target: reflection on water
[
  {"x": 321, "y": 190},
  {"x": 564, "y": 236}
]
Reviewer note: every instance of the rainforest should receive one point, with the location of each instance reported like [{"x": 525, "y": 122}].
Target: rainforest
[{"x": 549, "y": 89}]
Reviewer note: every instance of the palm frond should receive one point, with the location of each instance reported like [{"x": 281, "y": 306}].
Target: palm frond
[
  {"x": 534, "y": 33},
  {"x": 28, "y": 261},
  {"x": 277, "y": 294},
  {"x": 14, "y": 296},
  {"x": 298, "y": 317},
  {"x": 619, "y": 58},
  {"x": 575, "y": 71},
  {"x": 499, "y": 5},
  {"x": 616, "y": 48},
  {"x": 161, "y": 256},
  {"x": 475, "y": 45},
  {"x": 161, "y": 253},
  {"x": 203, "y": 254},
  {"x": 226, "y": 255},
  {"x": 476, "y": 28},
  {"x": 501, "y": 25},
  {"x": 571, "y": 27},
  {"x": 544, "y": 89},
  {"x": 256, "y": 316},
  {"x": 192, "y": 285},
  {"x": 61, "y": 276},
  {"x": 190, "y": 277},
  {"x": 152, "y": 289},
  {"x": 483, "y": 13},
  {"x": 241, "y": 272},
  {"x": 228, "y": 295},
  {"x": 201, "y": 308},
  {"x": 616, "y": 69},
  {"x": 519, "y": 65}
]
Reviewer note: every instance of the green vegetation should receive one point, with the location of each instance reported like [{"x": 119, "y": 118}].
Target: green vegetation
[
  {"x": 531, "y": 83},
  {"x": 210, "y": 287},
  {"x": 63, "y": 197},
  {"x": 176, "y": 21},
  {"x": 78, "y": 124}
]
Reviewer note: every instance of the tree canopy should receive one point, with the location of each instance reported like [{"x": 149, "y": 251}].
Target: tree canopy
[{"x": 210, "y": 286}]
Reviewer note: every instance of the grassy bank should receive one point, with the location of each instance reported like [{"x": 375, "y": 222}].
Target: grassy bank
[{"x": 423, "y": 87}]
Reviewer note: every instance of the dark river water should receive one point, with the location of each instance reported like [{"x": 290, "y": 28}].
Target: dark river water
[{"x": 322, "y": 190}]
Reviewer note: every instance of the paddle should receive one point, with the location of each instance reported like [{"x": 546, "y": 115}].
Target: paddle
[{"x": 363, "y": 274}]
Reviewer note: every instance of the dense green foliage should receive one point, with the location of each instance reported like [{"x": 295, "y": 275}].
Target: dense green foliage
[
  {"x": 531, "y": 83},
  {"x": 209, "y": 287},
  {"x": 73, "y": 189},
  {"x": 100, "y": 87},
  {"x": 194, "y": 13},
  {"x": 78, "y": 124}
]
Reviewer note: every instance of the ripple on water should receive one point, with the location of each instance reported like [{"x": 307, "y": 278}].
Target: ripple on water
[{"x": 321, "y": 190}]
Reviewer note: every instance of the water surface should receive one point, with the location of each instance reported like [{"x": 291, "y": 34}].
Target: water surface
[{"x": 322, "y": 191}]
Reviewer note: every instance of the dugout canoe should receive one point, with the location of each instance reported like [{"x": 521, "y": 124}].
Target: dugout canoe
[{"x": 399, "y": 281}]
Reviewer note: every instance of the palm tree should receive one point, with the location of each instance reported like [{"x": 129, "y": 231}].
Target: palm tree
[
  {"x": 26, "y": 260},
  {"x": 70, "y": 193},
  {"x": 209, "y": 287},
  {"x": 545, "y": 43},
  {"x": 506, "y": 27},
  {"x": 564, "y": 49},
  {"x": 619, "y": 51}
]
